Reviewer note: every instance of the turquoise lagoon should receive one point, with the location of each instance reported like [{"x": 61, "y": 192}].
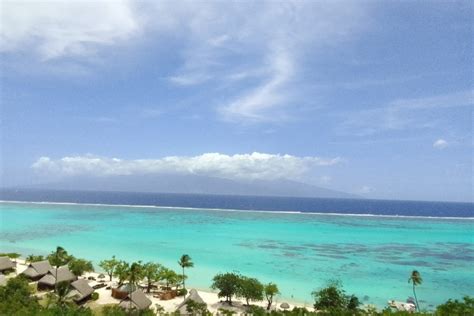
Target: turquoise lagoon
[{"x": 371, "y": 255}]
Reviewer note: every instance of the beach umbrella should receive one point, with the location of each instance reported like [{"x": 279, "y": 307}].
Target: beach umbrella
[
  {"x": 101, "y": 276},
  {"x": 285, "y": 305}
]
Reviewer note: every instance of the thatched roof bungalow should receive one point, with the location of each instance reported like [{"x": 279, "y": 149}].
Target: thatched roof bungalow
[
  {"x": 36, "y": 270},
  {"x": 193, "y": 296},
  {"x": 62, "y": 273},
  {"x": 136, "y": 300},
  {"x": 81, "y": 291},
  {"x": 6, "y": 264}
]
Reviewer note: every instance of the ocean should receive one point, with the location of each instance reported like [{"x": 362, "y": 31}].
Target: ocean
[{"x": 371, "y": 246}]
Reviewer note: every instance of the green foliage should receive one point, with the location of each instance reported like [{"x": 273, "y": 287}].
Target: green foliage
[
  {"x": 250, "y": 288},
  {"x": 15, "y": 298},
  {"x": 169, "y": 276},
  {"x": 456, "y": 308},
  {"x": 195, "y": 308},
  {"x": 226, "y": 312},
  {"x": 95, "y": 296},
  {"x": 256, "y": 311},
  {"x": 415, "y": 279},
  {"x": 151, "y": 271},
  {"x": 227, "y": 284},
  {"x": 34, "y": 258},
  {"x": 182, "y": 292},
  {"x": 270, "y": 290},
  {"x": 121, "y": 271},
  {"x": 80, "y": 266},
  {"x": 185, "y": 262},
  {"x": 333, "y": 300},
  {"x": 11, "y": 255},
  {"x": 59, "y": 257},
  {"x": 109, "y": 266}
]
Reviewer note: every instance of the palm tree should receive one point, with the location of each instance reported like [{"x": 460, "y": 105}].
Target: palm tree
[
  {"x": 185, "y": 262},
  {"x": 58, "y": 258},
  {"x": 415, "y": 279}
]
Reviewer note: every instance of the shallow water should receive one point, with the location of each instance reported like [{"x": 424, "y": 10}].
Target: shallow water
[{"x": 372, "y": 256}]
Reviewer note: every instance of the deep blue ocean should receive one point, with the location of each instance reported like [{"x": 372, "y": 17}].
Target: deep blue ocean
[{"x": 276, "y": 204}]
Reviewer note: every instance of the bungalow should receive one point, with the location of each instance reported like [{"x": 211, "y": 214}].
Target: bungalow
[
  {"x": 36, "y": 270},
  {"x": 6, "y": 264},
  {"x": 136, "y": 300},
  {"x": 55, "y": 276},
  {"x": 81, "y": 291}
]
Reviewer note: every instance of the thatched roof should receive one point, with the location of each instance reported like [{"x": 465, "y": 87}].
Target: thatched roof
[
  {"x": 63, "y": 274},
  {"x": 6, "y": 264},
  {"x": 81, "y": 289},
  {"x": 138, "y": 301},
  {"x": 193, "y": 296},
  {"x": 37, "y": 269}
]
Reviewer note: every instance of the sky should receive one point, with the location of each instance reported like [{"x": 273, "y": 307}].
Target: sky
[{"x": 367, "y": 97}]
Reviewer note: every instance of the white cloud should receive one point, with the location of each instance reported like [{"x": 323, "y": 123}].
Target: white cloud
[
  {"x": 61, "y": 28},
  {"x": 365, "y": 189},
  {"x": 325, "y": 179},
  {"x": 440, "y": 144},
  {"x": 240, "y": 166}
]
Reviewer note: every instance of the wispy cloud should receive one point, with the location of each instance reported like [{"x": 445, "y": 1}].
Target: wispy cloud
[
  {"x": 402, "y": 114},
  {"x": 239, "y": 166},
  {"x": 56, "y": 29}
]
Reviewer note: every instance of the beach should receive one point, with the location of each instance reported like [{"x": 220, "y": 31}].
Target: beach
[{"x": 372, "y": 256}]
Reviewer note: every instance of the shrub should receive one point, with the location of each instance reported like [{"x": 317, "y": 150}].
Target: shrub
[
  {"x": 182, "y": 292},
  {"x": 456, "y": 308},
  {"x": 95, "y": 296}
]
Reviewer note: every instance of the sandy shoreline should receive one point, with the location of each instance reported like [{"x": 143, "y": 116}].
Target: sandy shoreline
[{"x": 212, "y": 300}]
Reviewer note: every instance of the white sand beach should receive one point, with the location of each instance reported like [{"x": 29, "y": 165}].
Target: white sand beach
[{"x": 214, "y": 303}]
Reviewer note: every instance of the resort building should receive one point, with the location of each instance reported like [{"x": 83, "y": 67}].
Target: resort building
[
  {"x": 54, "y": 276},
  {"x": 81, "y": 291},
  {"x": 36, "y": 270},
  {"x": 6, "y": 264},
  {"x": 136, "y": 300},
  {"x": 193, "y": 296}
]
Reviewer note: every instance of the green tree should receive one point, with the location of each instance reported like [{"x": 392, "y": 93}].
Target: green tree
[
  {"x": 16, "y": 298},
  {"x": 109, "y": 266},
  {"x": 151, "y": 271},
  {"x": 456, "y": 308},
  {"x": 185, "y": 262},
  {"x": 331, "y": 299},
  {"x": 121, "y": 271},
  {"x": 58, "y": 258},
  {"x": 415, "y": 279},
  {"x": 250, "y": 288},
  {"x": 169, "y": 276},
  {"x": 34, "y": 258},
  {"x": 80, "y": 266},
  {"x": 227, "y": 284},
  {"x": 195, "y": 308},
  {"x": 270, "y": 290},
  {"x": 135, "y": 273}
]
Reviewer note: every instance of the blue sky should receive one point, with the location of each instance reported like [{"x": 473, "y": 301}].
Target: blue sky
[{"x": 371, "y": 98}]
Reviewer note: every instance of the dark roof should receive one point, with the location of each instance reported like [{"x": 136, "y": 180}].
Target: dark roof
[
  {"x": 6, "y": 263},
  {"x": 37, "y": 269},
  {"x": 193, "y": 296},
  {"x": 63, "y": 274},
  {"x": 81, "y": 289},
  {"x": 138, "y": 301}
]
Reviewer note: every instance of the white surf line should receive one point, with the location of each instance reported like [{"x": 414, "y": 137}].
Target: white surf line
[{"x": 240, "y": 210}]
